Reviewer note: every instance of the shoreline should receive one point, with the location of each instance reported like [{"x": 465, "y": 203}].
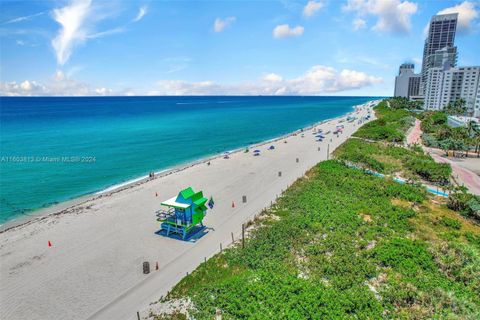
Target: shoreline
[{"x": 64, "y": 206}]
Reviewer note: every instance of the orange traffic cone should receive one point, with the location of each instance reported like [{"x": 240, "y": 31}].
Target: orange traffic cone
[
  {"x": 49, "y": 243},
  {"x": 233, "y": 204},
  {"x": 156, "y": 266}
]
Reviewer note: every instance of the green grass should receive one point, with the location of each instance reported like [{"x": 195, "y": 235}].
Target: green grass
[{"x": 391, "y": 124}]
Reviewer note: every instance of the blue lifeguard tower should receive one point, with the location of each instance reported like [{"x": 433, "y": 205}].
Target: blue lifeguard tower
[{"x": 186, "y": 211}]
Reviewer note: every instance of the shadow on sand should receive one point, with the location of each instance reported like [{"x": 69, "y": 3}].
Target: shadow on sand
[{"x": 193, "y": 236}]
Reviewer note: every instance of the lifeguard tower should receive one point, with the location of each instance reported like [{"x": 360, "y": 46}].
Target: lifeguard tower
[{"x": 186, "y": 211}]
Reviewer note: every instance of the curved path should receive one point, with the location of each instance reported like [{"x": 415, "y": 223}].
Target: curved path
[{"x": 469, "y": 178}]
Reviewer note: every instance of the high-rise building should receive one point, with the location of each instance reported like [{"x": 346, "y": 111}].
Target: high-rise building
[
  {"x": 441, "y": 34},
  {"x": 448, "y": 86},
  {"x": 407, "y": 83}
]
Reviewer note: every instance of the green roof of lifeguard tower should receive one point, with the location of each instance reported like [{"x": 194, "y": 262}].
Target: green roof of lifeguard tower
[{"x": 187, "y": 193}]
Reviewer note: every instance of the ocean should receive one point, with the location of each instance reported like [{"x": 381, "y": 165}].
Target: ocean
[{"x": 55, "y": 149}]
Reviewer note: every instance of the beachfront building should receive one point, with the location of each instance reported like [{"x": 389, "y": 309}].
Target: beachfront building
[
  {"x": 476, "y": 111},
  {"x": 448, "y": 86},
  {"x": 441, "y": 34},
  {"x": 407, "y": 83},
  {"x": 433, "y": 90},
  {"x": 186, "y": 211}
]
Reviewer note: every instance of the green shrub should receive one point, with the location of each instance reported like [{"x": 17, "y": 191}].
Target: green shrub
[
  {"x": 405, "y": 255},
  {"x": 451, "y": 223},
  {"x": 466, "y": 203},
  {"x": 429, "y": 170}
]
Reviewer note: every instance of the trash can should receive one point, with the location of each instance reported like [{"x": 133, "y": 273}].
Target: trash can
[{"x": 146, "y": 267}]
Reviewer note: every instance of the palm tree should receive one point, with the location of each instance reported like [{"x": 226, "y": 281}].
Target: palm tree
[{"x": 473, "y": 131}]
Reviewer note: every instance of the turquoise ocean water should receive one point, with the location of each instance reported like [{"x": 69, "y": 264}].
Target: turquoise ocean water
[{"x": 56, "y": 149}]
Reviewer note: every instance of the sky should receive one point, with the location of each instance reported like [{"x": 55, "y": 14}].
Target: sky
[{"x": 322, "y": 47}]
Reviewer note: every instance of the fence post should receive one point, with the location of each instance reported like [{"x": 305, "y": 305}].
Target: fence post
[
  {"x": 328, "y": 151},
  {"x": 221, "y": 247},
  {"x": 218, "y": 314},
  {"x": 243, "y": 235},
  {"x": 297, "y": 160},
  {"x": 138, "y": 315},
  {"x": 279, "y": 173},
  {"x": 233, "y": 240}
]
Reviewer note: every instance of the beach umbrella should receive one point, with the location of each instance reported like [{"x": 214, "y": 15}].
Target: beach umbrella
[{"x": 256, "y": 150}]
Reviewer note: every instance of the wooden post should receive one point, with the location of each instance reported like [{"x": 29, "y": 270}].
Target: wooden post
[
  {"x": 233, "y": 240},
  {"x": 297, "y": 160},
  {"x": 243, "y": 235},
  {"x": 279, "y": 173},
  {"x": 328, "y": 151},
  {"x": 218, "y": 314},
  {"x": 205, "y": 259},
  {"x": 221, "y": 247},
  {"x": 138, "y": 315}
]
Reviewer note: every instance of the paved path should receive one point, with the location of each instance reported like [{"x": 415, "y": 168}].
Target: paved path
[
  {"x": 463, "y": 175},
  {"x": 415, "y": 134}
]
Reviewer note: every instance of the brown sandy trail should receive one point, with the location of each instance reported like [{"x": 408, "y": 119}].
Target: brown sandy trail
[
  {"x": 415, "y": 134},
  {"x": 94, "y": 268}
]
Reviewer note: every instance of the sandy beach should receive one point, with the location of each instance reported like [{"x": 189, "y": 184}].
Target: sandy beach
[{"x": 93, "y": 270}]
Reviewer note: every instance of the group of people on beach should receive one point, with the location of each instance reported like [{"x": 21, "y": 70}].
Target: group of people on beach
[{"x": 151, "y": 175}]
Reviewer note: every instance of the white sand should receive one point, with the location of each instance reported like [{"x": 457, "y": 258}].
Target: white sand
[{"x": 94, "y": 268}]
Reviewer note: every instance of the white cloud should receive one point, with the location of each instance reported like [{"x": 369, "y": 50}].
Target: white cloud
[
  {"x": 23, "y": 18},
  {"x": 392, "y": 15},
  {"x": 141, "y": 13},
  {"x": 72, "y": 32},
  {"x": 467, "y": 13},
  {"x": 105, "y": 33},
  {"x": 77, "y": 25},
  {"x": 59, "y": 85},
  {"x": 284, "y": 31},
  {"x": 312, "y": 7},
  {"x": 273, "y": 77},
  {"x": 315, "y": 81},
  {"x": 359, "y": 23},
  {"x": 221, "y": 24}
]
